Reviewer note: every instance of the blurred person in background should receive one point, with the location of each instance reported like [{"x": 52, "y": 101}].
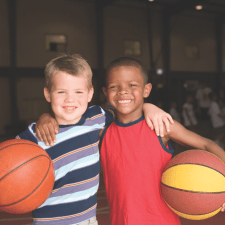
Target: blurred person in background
[
  {"x": 174, "y": 113},
  {"x": 203, "y": 100},
  {"x": 217, "y": 120},
  {"x": 190, "y": 120}
]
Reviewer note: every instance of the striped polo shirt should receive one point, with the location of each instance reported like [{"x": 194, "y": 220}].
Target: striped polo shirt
[{"x": 75, "y": 156}]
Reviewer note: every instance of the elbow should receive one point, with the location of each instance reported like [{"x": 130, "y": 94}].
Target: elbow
[{"x": 209, "y": 144}]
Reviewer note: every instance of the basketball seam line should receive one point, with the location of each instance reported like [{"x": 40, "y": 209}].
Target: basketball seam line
[
  {"x": 193, "y": 214},
  {"x": 22, "y": 143},
  {"x": 21, "y": 165},
  {"x": 195, "y": 164},
  {"x": 36, "y": 187},
  {"x": 179, "y": 189}
]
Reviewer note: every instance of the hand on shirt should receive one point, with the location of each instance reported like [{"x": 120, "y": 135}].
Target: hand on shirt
[
  {"x": 46, "y": 128},
  {"x": 156, "y": 118}
]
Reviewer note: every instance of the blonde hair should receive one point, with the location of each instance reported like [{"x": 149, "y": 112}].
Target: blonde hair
[{"x": 71, "y": 64}]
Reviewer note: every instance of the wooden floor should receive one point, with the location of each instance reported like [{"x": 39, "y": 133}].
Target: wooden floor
[
  {"x": 103, "y": 214},
  {"x": 102, "y": 208}
]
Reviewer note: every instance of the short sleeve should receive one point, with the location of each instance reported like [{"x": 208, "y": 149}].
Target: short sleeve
[
  {"x": 109, "y": 116},
  {"x": 28, "y": 134},
  {"x": 106, "y": 115}
]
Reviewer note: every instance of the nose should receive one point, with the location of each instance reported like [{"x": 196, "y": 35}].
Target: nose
[
  {"x": 70, "y": 98},
  {"x": 123, "y": 90}
]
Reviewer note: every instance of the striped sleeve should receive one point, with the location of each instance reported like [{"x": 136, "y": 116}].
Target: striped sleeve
[{"x": 28, "y": 134}]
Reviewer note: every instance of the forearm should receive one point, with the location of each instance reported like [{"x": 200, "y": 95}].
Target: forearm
[
  {"x": 186, "y": 137},
  {"x": 215, "y": 149}
]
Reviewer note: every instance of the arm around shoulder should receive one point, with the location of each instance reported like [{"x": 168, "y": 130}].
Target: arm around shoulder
[
  {"x": 46, "y": 128},
  {"x": 157, "y": 119},
  {"x": 186, "y": 137}
]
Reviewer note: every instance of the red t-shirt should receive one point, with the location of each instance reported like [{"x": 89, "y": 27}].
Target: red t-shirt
[{"x": 132, "y": 159}]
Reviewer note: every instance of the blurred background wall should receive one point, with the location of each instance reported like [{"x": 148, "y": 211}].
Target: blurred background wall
[{"x": 185, "y": 44}]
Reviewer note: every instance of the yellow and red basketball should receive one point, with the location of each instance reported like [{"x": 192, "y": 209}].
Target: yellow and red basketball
[
  {"x": 193, "y": 184},
  {"x": 26, "y": 176}
]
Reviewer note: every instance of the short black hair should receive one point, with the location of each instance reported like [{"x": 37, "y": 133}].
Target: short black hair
[{"x": 127, "y": 61}]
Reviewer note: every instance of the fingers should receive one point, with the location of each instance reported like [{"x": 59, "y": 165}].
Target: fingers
[
  {"x": 149, "y": 123},
  {"x": 38, "y": 133},
  {"x": 161, "y": 126},
  {"x": 56, "y": 129},
  {"x": 46, "y": 128},
  {"x": 47, "y": 136},
  {"x": 156, "y": 124},
  {"x": 52, "y": 130},
  {"x": 167, "y": 124},
  {"x": 169, "y": 118},
  {"x": 46, "y": 133},
  {"x": 160, "y": 121},
  {"x": 223, "y": 208},
  {"x": 41, "y": 135}
]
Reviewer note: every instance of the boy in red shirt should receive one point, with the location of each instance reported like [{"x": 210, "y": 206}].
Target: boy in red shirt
[{"x": 132, "y": 156}]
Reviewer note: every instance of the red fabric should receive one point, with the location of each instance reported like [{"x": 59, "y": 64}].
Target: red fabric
[{"x": 132, "y": 161}]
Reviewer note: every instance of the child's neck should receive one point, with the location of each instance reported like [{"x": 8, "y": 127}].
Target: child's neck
[
  {"x": 127, "y": 118},
  {"x": 64, "y": 123}
]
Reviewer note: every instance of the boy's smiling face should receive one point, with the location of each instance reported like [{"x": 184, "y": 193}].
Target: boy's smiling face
[
  {"x": 69, "y": 97},
  {"x": 125, "y": 91}
]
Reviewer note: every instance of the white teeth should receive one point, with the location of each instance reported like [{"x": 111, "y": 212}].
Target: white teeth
[
  {"x": 69, "y": 108},
  {"x": 124, "y": 101}
]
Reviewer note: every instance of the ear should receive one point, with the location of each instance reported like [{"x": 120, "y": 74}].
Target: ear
[
  {"x": 47, "y": 95},
  {"x": 147, "y": 90},
  {"x": 90, "y": 94},
  {"x": 105, "y": 92}
]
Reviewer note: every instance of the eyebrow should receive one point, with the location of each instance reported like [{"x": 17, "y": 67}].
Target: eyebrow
[{"x": 77, "y": 89}]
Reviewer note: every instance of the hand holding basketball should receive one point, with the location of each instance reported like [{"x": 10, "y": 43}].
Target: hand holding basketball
[
  {"x": 26, "y": 176},
  {"x": 223, "y": 208}
]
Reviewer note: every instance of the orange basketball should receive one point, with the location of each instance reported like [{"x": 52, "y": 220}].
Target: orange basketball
[
  {"x": 26, "y": 176},
  {"x": 193, "y": 184}
]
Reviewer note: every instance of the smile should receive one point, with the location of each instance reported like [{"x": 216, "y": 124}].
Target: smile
[
  {"x": 124, "y": 101},
  {"x": 69, "y": 108}
]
